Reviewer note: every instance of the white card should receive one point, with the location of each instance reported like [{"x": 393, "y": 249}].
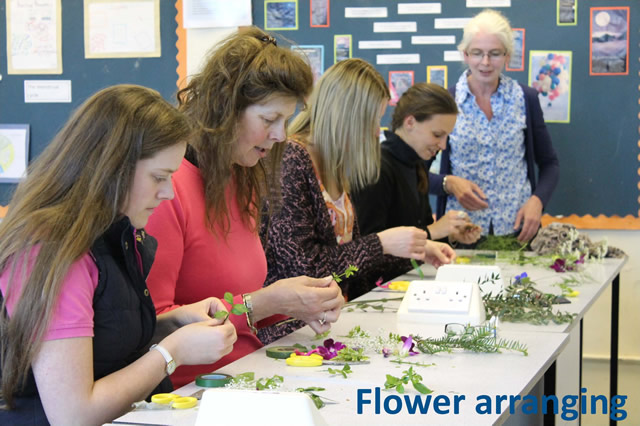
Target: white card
[{"x": 406, "y": 58}]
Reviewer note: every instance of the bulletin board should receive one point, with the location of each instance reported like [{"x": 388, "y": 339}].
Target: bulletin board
[
  {"x": 86, "y": 75},
  {"x": 596, "y": 137}
]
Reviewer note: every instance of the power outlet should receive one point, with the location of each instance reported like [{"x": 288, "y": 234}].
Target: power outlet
[{"x": 439, "y": 297}]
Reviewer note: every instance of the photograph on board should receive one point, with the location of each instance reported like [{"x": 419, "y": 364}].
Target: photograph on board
[
  {"x": 516, "y": 62},
  {"x": 314, "y": 56},
  {"x": 341, "y": 47},
  {"x": 550, "y": 75},
  {"x": 437, "y": 74},
  {"x": 280, "y": 15},
  {"x": 319, "y": 13},
  {"x": 399, "y": 82},
  {"x": 14, "y": 151},
  {"x": 609, "y": 45},
  {"x": 567, "y": 12}
]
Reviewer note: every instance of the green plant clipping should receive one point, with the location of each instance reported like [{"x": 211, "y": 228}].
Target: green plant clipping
[
  {"x": 236, "y": 308},
  {"x": 409, "y": 376},
  {"x": 343, "y": 372},
  {"x": 349, "y": 272}
]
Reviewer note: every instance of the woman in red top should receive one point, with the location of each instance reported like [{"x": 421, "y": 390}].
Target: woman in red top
[{"x": 207, "y": 235}]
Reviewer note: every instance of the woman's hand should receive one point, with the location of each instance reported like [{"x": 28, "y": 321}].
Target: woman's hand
[
  {"x": 203, "y": 342},
  {"x": 438, "y": 254},
  {"x": 529, "y": 216},
  {"x": 468, "y": 194},
  {"x": 448, "y": 224},
  {"x": 466, "y": 234},
  {"x": 203, "y": 310},
  {"x": 404, "y": 241},
  {"x": 316, "y": 301}
]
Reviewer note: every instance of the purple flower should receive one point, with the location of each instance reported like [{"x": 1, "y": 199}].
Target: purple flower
[
  {"x": 559, "y": 265},
  {"x": 386, "y": 352},
  {"x": 407, "y": 346},
  {"x": 523, "y": 275},
  {"x": 580, "y": 261},
  {"x": 330, "y": 349}
]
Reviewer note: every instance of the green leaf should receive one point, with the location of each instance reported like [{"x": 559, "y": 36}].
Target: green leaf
[
  {"x": 422, "y": 388},
  {"x": 221, "y": 315},
  {"x": 400, "y": 388},
  {"x": 228, "y": 297},
  {"x": 249, "y": 376},
  {"x": 239, "y": 309}
]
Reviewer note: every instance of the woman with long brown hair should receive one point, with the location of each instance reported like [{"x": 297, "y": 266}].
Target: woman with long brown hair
[
  {"x": 208, "y": 238},
  {"x": 77, "y": 321}
]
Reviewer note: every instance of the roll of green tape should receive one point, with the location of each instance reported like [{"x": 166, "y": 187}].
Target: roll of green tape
[
  {"x": 280, "y": 352},
  {"x": 213, "y": 380}
]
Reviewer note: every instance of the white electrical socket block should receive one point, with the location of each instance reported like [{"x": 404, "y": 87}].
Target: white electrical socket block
[{"x": 442, "y": 302}]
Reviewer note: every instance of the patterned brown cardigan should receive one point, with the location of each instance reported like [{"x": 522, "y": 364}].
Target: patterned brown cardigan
[{"x": 299, "y": 238}]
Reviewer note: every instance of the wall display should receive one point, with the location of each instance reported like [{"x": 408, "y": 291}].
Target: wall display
[
  {"x": 488, "y": 3},
  {"x": 319, "y": 13},
  {"x": 380, "y": 44},
  {"x": 516, "y": 62},
  {"x": 433, "y": 39},
  {"x": 122, "y": 29},
  {"x": 437, "y": 74},
  {"x": 419, "y": 8},
  {"x": 365, "y": 12},
  {"x": 314, "y": 55},
  {"x": 399, "y": 82},
  {"x": 609, "y": 41},
  {"x": 280, "y": 15},
  {"x": 34, "y": 37},
  {"x": 47, "y": 91},
  {"x": 550, "y": 75},
  {"x": 395, "y": 27},
  {"x": 341, "y": 47},
  {"x": 14, "y": 151},
  {"x": 403, "y": 58},
  {"x": 567, "y": 12},
  {"x": 215, "y": 13}
]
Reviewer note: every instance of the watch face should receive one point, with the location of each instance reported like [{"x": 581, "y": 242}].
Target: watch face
[{"x": 171, "y": 367}]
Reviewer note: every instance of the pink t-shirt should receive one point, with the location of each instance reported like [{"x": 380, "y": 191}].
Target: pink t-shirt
[{"x": 73, "y": 313}]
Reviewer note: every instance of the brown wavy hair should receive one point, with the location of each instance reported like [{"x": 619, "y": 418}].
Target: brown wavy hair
[
  {"x": 246, "y": 68},
  {"x": 72, "y": 193}
]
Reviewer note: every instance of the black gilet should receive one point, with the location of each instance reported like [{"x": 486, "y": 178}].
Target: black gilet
[{"x": 124, "y": 314}]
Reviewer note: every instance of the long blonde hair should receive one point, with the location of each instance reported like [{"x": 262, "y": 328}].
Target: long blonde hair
[
  {"x": 247, "y": 68},
  {"x": 72, "y": 193},
  {"x": 340, "y": 123}
]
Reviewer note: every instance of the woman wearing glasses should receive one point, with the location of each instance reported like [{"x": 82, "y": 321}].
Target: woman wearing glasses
[{"x": 488, "y": 166}]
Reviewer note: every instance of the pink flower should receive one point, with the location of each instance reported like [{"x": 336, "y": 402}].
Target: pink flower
[
  {"x": 407, "y": 346},
  {"x": 330, "y": 349},
  {"x": 386, "y": 352}
]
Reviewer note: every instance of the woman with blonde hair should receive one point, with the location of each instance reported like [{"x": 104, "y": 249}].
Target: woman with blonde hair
[
  {"x": 77, "y": 321},
  {"x": 208, "y": 234},
  {"x": 334, "y": 149},
  {"x": 489, "y": 165},
  {"x": 421, "y": 122}
]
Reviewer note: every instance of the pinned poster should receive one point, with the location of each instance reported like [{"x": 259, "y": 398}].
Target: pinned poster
[
  {"x": 122, "y": 29},
  {"x": 399, "y": 82},
  {"x": 319, "y": 15},
  {"x": 609, "y": 41},
  {"x": 34, "y": 37},
  {"x": 216, "y": 13},
  {"x": 437, "y": 74},
  {"x": 280, "y": 15},
  {"x": 341, "y": 47},
  {"x": 14, "y": 151},
  {"x": 550, "y": 75},
  {"x": 516, "y": 62},
  {"x": 314, "y": 56}
]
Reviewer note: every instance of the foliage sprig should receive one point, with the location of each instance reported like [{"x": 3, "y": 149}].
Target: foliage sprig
[
  {"x": 236, "y": 308},
  {"x": 473, "y": 339},
  {"x": 349, "y": 272},
  {"x": 409, "y": 375},
  {"x": 343, "y": 371}
]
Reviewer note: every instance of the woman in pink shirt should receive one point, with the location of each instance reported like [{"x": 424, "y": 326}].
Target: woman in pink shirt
[
  {"x": 208, "y": 234},
  {"x": 77, "y": 321}
]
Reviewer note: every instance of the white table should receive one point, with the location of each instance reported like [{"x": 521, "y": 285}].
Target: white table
[{"x": 460, "y": 373}]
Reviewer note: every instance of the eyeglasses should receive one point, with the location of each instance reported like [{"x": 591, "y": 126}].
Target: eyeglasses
[
  {"x": 493, "y": 55},
  {"x": 485, "y": 330}
]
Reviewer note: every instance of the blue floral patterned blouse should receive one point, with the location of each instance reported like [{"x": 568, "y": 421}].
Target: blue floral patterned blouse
[{"x": 491, "y": 153}]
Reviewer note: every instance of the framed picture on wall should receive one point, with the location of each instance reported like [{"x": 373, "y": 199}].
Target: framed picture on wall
[
  {"x": 609, "y": 41},
  {"x": 280, "y": 15},
  {"x": 550, "y": 75},
  {"x": 516, "y": 63},
  {"x": 399, "y": 82},
  {"x": 14, "y": 151},
  {"x": 437, "y": 74},
  {"x": 341, "y": 47},
  {"x": 314, "y": 55},
  {"x": 567, "y": 12},
  {"x": 319, "y": 15}
]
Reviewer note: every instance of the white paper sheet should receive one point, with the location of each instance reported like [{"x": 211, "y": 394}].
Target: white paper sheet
[
  {"x": 34, "y": 37},
  {"x": 452, "y": 56},
  {"x": 47, "y": 91},
  {"x": 395, "y": 27},
  {"x": 419, "y": 8},
  {"x": 433, "y": 39},
  {"x": 122, "y": 29},
  {"x": 365, "y": 12},
  {"x": 216, "y": 13},
  {"x": 488, "y": 3},
  {"x": 405, "y": 58},
  {"x": 380, "y": 44},
  {"x": 445, "y": 23}
]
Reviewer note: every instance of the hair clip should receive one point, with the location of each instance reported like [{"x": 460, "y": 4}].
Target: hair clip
[{"x": 269, "y": 39}]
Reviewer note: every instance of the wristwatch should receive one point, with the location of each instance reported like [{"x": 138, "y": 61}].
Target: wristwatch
[{"x": 171, "y": 363}]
